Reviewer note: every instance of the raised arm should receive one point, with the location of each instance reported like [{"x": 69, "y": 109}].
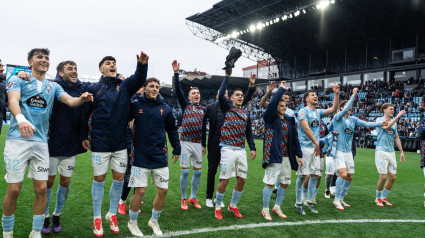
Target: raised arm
[
  {"x": 394, "y": 120},
  {"x": 347, "y": 106},
  {"x": 222, "y": 102},
  {"x": 334, "y": 107},
  {"x": 74, "y": 101},
  {"x": 266, "y": 96},
  {"x": 251, "y": 89},
  {"x": 361, "y": 123},
  {"x": 271, "y": 110},
  {"x": 177, "y": 88},
  {"x": 136, "y": 81}
]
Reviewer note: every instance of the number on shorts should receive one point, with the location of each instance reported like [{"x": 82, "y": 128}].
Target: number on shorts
[
  {"x": 136, "y": 172},
  {"x": 223, "y": 167},
  {"x": 184, "y": 156},
  {"x": 11, "y": 164},
  {"x": 96, "y": 159},
  {"x": 270, "y": 172}
]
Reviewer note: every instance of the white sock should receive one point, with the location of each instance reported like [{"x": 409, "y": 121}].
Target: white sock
[{"x": 122, "y": 201}]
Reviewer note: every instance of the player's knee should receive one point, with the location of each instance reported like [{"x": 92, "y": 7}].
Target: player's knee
[
  {"x": 392, "y": 177},
  {"x": 40, "y": 190},
  {"x": 100, "y": 178},
  {"x": 140, "y": 192},
  {"x": 241, "y": 180},
  {"x": 64, "y": 182},
  {"x": 162, "y": 192},
  {"x": 383, "y": 176},
  {"x": 13, "y": 192}
]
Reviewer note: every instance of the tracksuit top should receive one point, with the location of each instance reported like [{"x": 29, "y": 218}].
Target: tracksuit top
[
  {"x": 67, "y": 129},
  {"x": 237, "y": 124},
  {"x": 193, "y": 117},
  {"x": 109, "y": 111},
  {"x": 421, "y": 132},
  {"x": 153, "y": 118},
  {"x": 273, "y": 148}
]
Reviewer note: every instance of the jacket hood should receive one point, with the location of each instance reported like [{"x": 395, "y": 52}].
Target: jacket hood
[
  {"x": 59, "y": 80},
  {"x": 112, "y": 80},
  {"x": 158, "y": 99}
]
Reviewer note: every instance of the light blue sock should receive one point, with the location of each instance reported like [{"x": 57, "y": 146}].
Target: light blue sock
[
  {"x": 345, "y": 188},
  {"x": 97, "y": 191},
  {"x": 280, "y": 195},
  {"x": 338, "y": 187},
  {"x": 311, "y": 188},
  {"x": 61, "y": 197},
  {"x": 115, "y": 195},
  {"x": 7, "y": 222},
  {"x": 298, "y": 188},
  {"x": 424, "y": 195},
  {"x": 235, "y": 198},
  {"x": 183, "y": 182},
  {"x": 277, "y": 185},
  {"x": 133, "y": 215},
  {"x": 385, "y": 193},
  {"x": 49, "y": 196},
  {"x": 267, "y": 192},
  {"x": 305, "y": 191},
  {"x": 37, "y": 222},
  {"x": 378, "y": 194},
  {"x": 328, "y": 183},
  {"x": 155, "y": 214},
  {"x": 196, "y": 179},
  {"x": 315, "y": 191},
  {"x": 219, "y": 198}
]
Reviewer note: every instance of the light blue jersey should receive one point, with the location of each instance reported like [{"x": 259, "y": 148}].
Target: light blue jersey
[
  {"x": 35, "y": 106},
  {"x": 290, "y": 112},
  {"x": 313, "y": 118},
  {"x": 385, "y": 140}
]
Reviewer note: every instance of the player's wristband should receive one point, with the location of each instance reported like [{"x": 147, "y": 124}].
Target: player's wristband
[{"x": 20, "y": 118}]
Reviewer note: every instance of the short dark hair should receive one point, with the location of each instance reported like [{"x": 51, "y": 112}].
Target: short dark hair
[
  {"x": 234, "y": 90},
  {"x": 193, "y": 88},
  {"x": 105, "y": 59},
  {"x": 151, "y": 80},
  {"x": 386, "y": 105},
  {"x": 307, "y": 93},
  {"x": 343, "y": 103},
  {"x": 62, "y": 64},
  {"x": 36, "y": 51}
]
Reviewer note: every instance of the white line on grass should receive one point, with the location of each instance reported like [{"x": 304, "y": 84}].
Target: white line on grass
[{"x": 273, "y": 224}]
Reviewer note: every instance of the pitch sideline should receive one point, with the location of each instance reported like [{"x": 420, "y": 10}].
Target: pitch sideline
[{"x": 274, "y": 224}]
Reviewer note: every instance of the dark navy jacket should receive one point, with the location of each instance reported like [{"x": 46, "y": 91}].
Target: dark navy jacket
[
  {"x": 67, "y": 129},
  {"x": 109, "y": 111},
  {"x": 153, "y": 118},
  {"x": 273, "y": 123}
]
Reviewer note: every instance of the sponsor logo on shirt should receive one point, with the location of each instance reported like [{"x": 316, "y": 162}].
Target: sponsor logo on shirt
[
  {"x": 314, "y": 123},
  {"x": 37, "y": 103},
  {"x": 348, "y": 131},
  {"x": 391, "y": 132}
]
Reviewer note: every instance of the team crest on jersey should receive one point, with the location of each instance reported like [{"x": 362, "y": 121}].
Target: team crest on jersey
[
  {"x": 302, "y": 114},
  {"x": 118, "y": 88},
  {"x": 162, "y": 111},
  {"x": 48, "y": 87},
  {"x": 10, "y": 85}
]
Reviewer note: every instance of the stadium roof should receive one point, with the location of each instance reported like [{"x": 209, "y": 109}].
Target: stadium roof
[{"x": 287, "y": 29}]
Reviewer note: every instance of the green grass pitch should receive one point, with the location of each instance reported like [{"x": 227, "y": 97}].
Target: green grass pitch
[{"x": 406, "y": 195}]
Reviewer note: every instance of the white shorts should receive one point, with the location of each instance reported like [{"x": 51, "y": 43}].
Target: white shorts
[
  {"x": 280, "y": 173},
  {"x": 344, "y": 160},
  {"x": 424, "y": 171},
  {"x": 322, "y": 166},
  {"x": 101, "y": 160},
  {"x": 191, "y": 152},
  {"x": 139, "y": 177},
  {"x": 18, "y": 154},
  {"x": 233, "y": 163},
  {"x": 330, "y": 165},
  {"x": 65, "y": 165},
  {"x": 385, "y": 162},
  {"x": 311, "y": 163}
]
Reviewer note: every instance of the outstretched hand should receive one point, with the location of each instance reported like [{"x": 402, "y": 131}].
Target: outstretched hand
[
  {"x": 87, "y": 97},
  {"x": 24, "y": 75},
  {"x": 143, "y": 58},
  {"x": 272, "y": 86},
  {"x": 252, "y": 79},
  {"x": 228, "y": 72},
  {"x": 176, "y": 66},
  {"x": 355, "y": 91},
  {"x": 283, "y": 84},
  {"x": 335, "y": 88}
]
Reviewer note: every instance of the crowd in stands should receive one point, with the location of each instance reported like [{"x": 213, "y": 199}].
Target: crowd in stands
[{"x": 371, "y": 96}]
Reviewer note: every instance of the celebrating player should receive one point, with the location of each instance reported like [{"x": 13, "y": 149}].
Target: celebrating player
[
  {"x": 108, "y": 134},
  {"x": 152, "y": 119},
  {"x": 193, "y": 116},
  {"x": 281, "y": 144},
  {"x": 30, "y": 103},
  {"x": 385, "y": 160},
  {"x": 309, "y": 120},
  {"x": 344, "y": 124}
]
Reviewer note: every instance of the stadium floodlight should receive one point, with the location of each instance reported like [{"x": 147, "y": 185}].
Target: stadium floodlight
[
  {"x": 290, "y": 15},
  {"x": 271, "y": 22},
  {"x": 304, "y": 11},
  {"x": 284, "y": 17},
  {"x": 332, "y": 1},
  {"x": 267, "y": 23},
  {"x": 252, "y": 28},
  {"x": 277, "y": 19},
  {"x": 234, "y": 34},
  {"x": 297, "y": 13},
  {"x": 260, "y": 26},
  {"x": 323, "y": 4}
]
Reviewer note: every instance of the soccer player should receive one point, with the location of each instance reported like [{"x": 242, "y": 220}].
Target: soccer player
[
  {"x": 236, "y": 129},
  {"x": 281, "y": 144},
  {"x": 215, "y": 117},
  {"x": 191, "y": 137},
  {"x": 108, "y": 134},
  {"x": 66, "y": 133},
  {"x": 30, "y": 103},
  {"x": 2, "y": 96},
  {"x": 345, "y": 124},
  {"x": 385, "y": 160},
  {"x": 153, "y": 117},
  {"x": 285, "y": 98},
  {"x": 308, "y": 128},
  {"x": 421, "y": 133}
]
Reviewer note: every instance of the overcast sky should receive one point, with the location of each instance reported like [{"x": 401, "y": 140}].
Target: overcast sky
[{"x": 86, "y": 30}]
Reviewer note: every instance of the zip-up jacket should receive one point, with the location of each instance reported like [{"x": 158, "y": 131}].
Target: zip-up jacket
[
  {"x": 109, "y": 111},
  {"x": 153, "y": 118},
  {"x": 272, "y": 152},
  {"x": 67, "y": 129}
]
